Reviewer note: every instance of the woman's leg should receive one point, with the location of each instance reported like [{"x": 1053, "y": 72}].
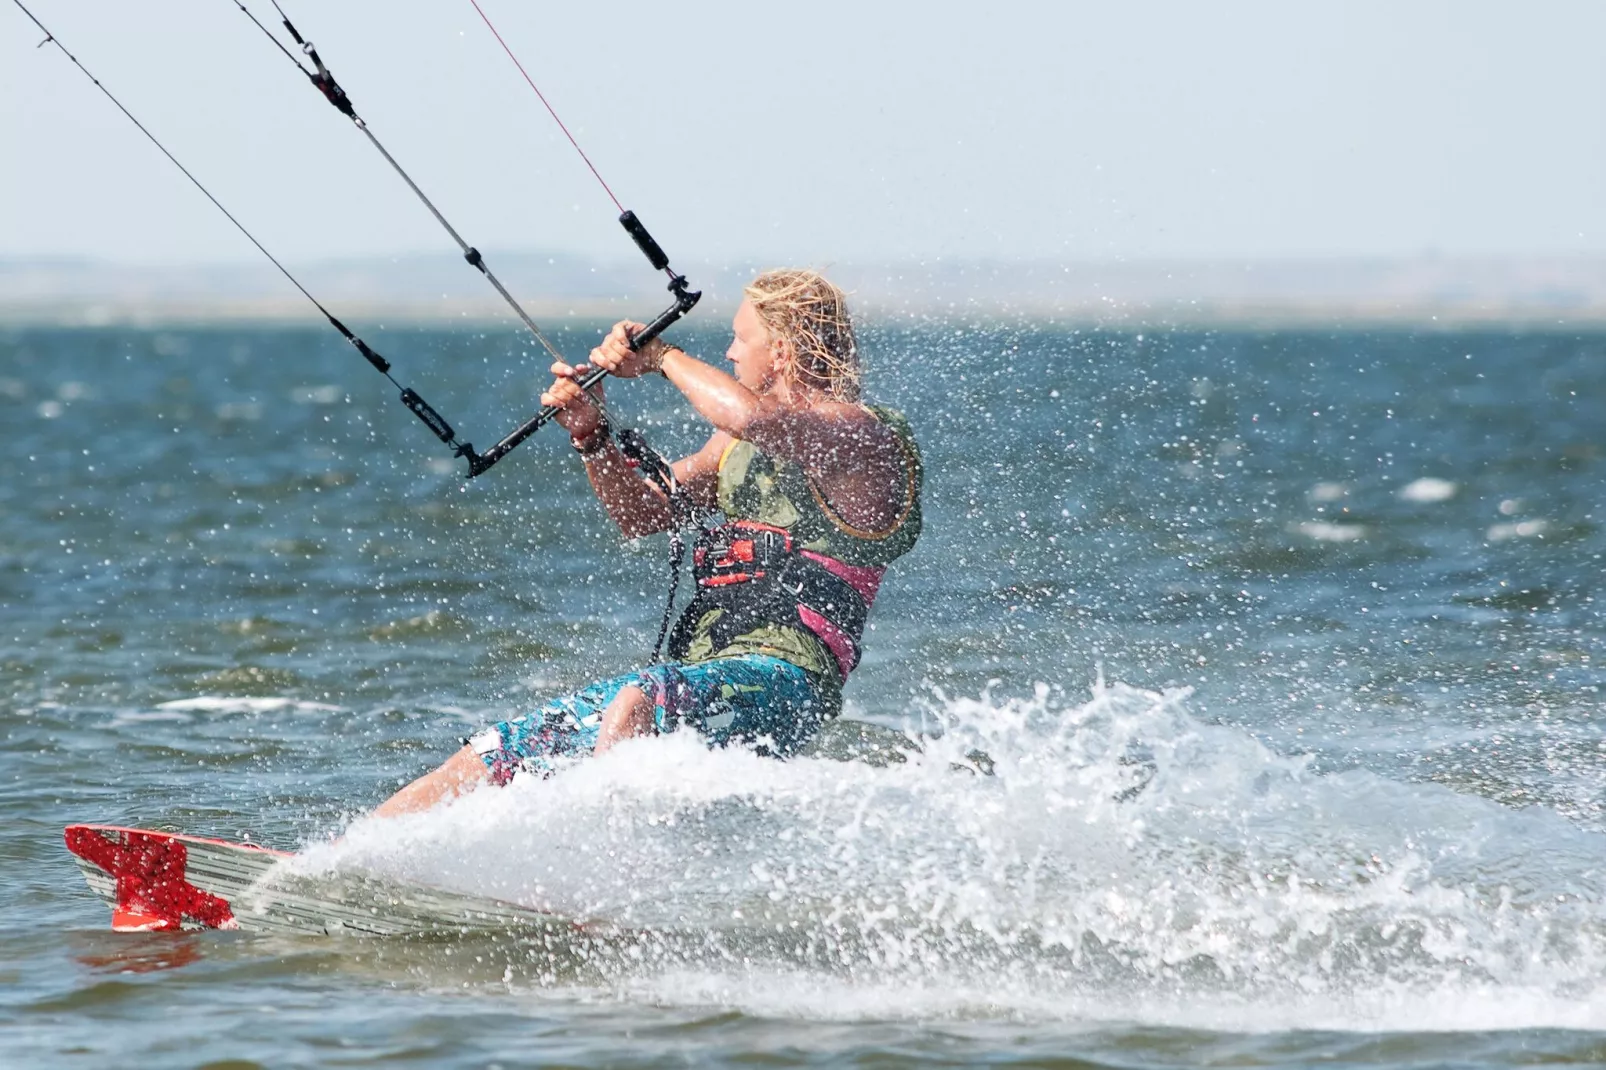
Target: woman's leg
[
  {"x": 630, "y": 714},
  {"x": 754, "y": 700},
  {"x": 565, "y": 727},
  {"x": 459, "y": 774}
]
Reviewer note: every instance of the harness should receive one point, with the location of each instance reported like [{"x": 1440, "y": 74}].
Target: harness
[
  {"x": 755, "y": 575},
  {"x": 749, "y": 574}
]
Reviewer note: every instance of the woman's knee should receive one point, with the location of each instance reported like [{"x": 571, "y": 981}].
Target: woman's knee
[
  {"x": 630, "y": 714},
  {"x": 460, "y": 773},
  {"x": 466, "y": 766}
]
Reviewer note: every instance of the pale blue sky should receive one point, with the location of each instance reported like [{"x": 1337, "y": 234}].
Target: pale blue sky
[{"x": 823, "y": 131}]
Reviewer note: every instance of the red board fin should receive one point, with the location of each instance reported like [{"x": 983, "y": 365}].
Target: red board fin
[{"x": 153, "y": 893}]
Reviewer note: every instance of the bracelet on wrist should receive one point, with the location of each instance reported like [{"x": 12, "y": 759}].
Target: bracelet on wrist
[{"x": 668, "y": 349}]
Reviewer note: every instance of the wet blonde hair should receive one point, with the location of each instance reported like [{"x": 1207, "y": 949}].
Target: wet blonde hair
[{"x": 810, "y": 313}]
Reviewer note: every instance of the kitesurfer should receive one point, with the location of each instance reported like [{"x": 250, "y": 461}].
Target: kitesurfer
[{"x": 819, "y": 493}]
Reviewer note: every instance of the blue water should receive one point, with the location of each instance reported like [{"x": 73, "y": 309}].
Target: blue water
[{"x": 1286, "y": 648}]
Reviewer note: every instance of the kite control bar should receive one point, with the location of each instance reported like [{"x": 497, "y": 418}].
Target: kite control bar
[{"x": 685, "y": 300}]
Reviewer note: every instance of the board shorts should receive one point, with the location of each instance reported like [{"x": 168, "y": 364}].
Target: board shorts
[{"x": 756, "y": 700}]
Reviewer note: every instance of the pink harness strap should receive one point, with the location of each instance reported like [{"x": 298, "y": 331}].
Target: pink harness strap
[{"x": 866, "y": 579}]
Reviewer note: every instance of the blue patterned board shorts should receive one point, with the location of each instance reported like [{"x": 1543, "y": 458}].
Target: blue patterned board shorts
[{"x": 763, "y": 702}]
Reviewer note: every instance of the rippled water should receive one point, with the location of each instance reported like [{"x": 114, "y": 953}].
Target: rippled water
[{"x": 1284, "y": 649}]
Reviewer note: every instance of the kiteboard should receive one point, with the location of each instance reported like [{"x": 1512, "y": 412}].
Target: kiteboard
[{"x": 159, "y": 881}]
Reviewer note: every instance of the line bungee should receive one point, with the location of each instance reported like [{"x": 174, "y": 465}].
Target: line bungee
[{"x": 421, "y": 408}]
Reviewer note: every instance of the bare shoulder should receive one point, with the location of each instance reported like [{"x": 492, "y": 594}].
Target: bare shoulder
[
  {"x": 840, "y": 434},
  {"x": 860, "y": 466}
]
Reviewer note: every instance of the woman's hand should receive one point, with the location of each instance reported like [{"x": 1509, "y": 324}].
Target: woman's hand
[
  {"x": 580, "y": 415},
  {"x": 615, "y": 354}
]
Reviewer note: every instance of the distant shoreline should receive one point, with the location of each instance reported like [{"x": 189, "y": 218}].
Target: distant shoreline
[
  {"x": 478, "y": 316},
  {"x": 431, "y": 290}
]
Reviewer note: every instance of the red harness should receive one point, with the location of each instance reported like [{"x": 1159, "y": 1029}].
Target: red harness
[{"x": 755, "y": 575}]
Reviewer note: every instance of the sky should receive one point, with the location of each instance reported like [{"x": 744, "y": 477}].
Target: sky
[{"x": 819, "y": 132}]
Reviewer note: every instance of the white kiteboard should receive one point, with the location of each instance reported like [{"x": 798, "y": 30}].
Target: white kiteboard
[{"x": 158, "y": 881}]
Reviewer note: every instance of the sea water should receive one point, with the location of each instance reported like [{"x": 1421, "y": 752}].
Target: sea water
[{"x": 1250, "y": 683}]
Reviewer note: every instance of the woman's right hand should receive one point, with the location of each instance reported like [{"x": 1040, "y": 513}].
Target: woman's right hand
[
  {"x": 579, "y": 414},
  {"x": 618, "y": 355}
]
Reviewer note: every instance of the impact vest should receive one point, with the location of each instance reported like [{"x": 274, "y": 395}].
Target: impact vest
[{"x": 785, "y": 575}]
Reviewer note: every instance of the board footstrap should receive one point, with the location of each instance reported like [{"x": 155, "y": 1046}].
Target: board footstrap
[{"x": 151, "y": 889}]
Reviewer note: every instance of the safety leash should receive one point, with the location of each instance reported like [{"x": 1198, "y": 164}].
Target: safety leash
[{"x": 683, "y": 514}]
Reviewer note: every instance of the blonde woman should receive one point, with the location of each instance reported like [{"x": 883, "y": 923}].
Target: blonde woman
[{"x": 820, "y": 493}]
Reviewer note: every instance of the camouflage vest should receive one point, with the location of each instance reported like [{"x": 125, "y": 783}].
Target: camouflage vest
[{"x": 786, "y": 576}]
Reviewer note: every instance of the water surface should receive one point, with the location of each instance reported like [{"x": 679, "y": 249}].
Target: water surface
[{"x": 1285, "y": 647}]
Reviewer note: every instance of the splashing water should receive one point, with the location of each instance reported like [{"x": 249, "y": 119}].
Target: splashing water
[{"x": 1123, "y": 860}]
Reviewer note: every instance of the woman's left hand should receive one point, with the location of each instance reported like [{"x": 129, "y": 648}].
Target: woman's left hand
[
  {"x": 579, "y": 411},
  {"x": 615, "y": 354}
]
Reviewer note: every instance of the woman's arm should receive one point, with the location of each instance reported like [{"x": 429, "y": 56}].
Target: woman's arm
[
  {"x": 854, "y": 460},
  {"x": 634, "y": 503},
  {"x": 826, "y": 437}
]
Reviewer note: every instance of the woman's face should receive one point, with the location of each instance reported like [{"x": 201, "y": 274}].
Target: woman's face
[{"x": 751, "y": 352}]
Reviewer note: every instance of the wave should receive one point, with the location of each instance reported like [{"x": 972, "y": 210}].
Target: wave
[{"x": 1110, "y": 859}]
